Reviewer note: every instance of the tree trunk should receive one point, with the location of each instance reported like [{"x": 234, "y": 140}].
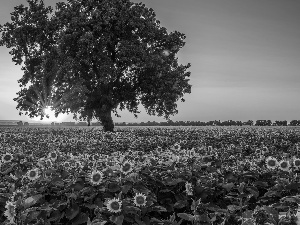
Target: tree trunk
[
  {"x": 106, "y": 120},
  {"x": 89, "y": 116}
]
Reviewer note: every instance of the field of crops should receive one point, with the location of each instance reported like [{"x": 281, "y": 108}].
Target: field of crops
[{"x": 144, "y": 176}]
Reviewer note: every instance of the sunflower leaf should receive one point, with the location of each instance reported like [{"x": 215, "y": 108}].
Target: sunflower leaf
[
  {"x": 113, "y": 187},
  {"x": 80, "y": 219},
  {"x": 72, "y": 211},
  {"x": 228, "y": 186},
  {"x": 118, "y": 220},
  {"x": 180, "y": 204},
  {"x": 186, "y": 216},
  {"x": 139, "y": 221},
  {"x": 131, "y": 209},
  {"x": 30, "y": 201},
  {"x": 126, "y": 188}
]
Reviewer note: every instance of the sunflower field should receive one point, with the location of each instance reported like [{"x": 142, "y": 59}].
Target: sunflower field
[{"x": 145, "y": 176}]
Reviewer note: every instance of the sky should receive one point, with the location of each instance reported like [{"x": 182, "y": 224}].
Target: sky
[{"x": 244, "y": 55}]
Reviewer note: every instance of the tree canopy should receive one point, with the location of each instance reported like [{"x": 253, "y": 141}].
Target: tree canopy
[{"x": 95, "y": 57}]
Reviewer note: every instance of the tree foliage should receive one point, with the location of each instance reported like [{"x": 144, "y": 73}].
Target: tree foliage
[{"x": 94, "y": 57}]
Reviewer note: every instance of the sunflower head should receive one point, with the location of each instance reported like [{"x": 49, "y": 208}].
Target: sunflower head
[
  {"x": 271, "y": 162},
  {"x": 188, "y": 188},
  {"x": 18, "y": 194},
  {"x": 126, "y": 167},
  {"x": 176, "y": 146},
  {"x": 67, "y": 165},
  {"x": 33, "y": 174},
  {"x": 296, "y": 163},
  {"x": 95, "y": 157},
  {"x": 96, "y": 177},
  {"x": 7, "y": 157},
  {"x": 48, "y": 163},
  {"x": 284, "y": 165},
  {"x": 53, "y": 155},
  {"x": 184, "y": 142},
  {"x": 78, "y": 165},
  {"x": 114, "y": 205},
  {"x": 10, "y": 211},
  {"x": 140, "y": 199},
  {"x": 257, "y": 151}
]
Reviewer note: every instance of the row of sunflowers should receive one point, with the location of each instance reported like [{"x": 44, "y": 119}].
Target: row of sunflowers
[{"x": 149, "y": 176}]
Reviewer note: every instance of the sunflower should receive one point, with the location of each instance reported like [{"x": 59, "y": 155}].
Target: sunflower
[
  {"x": 114, "y": 205},
  {"x": 193, "y": 152},
  {"x": 18, "y": 194},
  {"x": 10, "y": 211},
  {"x": 33, "y": 174},
  {"x": 139, "y": 199},
  {"x": 67, "y": 165},
  {"x": 91, "y": 164},
  {"x": 188, "y": 188},
  {"x": 7, "y": 157},
  {"x": 78, "y": 165},
  {"x": 53, "y": 155},
  {"x": 176, "y": 147},
  {"x": 284, "y": 165},
  {"x": 126, "y": 167},
  {"x": 96, "y": 177},
  {"x": 271, "y": 162},
  {"x": 296, "y": 163},
  {"x": 48, "y": 163},
  {"x": 159, "y": 149},
  {"x": 95, "y": 157},
  {"x": 184, "y": 142}
]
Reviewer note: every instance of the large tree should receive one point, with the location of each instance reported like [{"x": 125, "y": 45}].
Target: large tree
[{"x": 95, "y": 57}]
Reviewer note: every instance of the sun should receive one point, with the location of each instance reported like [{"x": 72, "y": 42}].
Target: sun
[{"x": 51, "y": 113}]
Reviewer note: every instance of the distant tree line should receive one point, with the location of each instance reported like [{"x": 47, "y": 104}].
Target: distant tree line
[
  {"x": 186, "y": 123},
  {"x": 214, "y": 123},
  {"x": 20, "y": 123},
  {"x": 295, "y": 123}
]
